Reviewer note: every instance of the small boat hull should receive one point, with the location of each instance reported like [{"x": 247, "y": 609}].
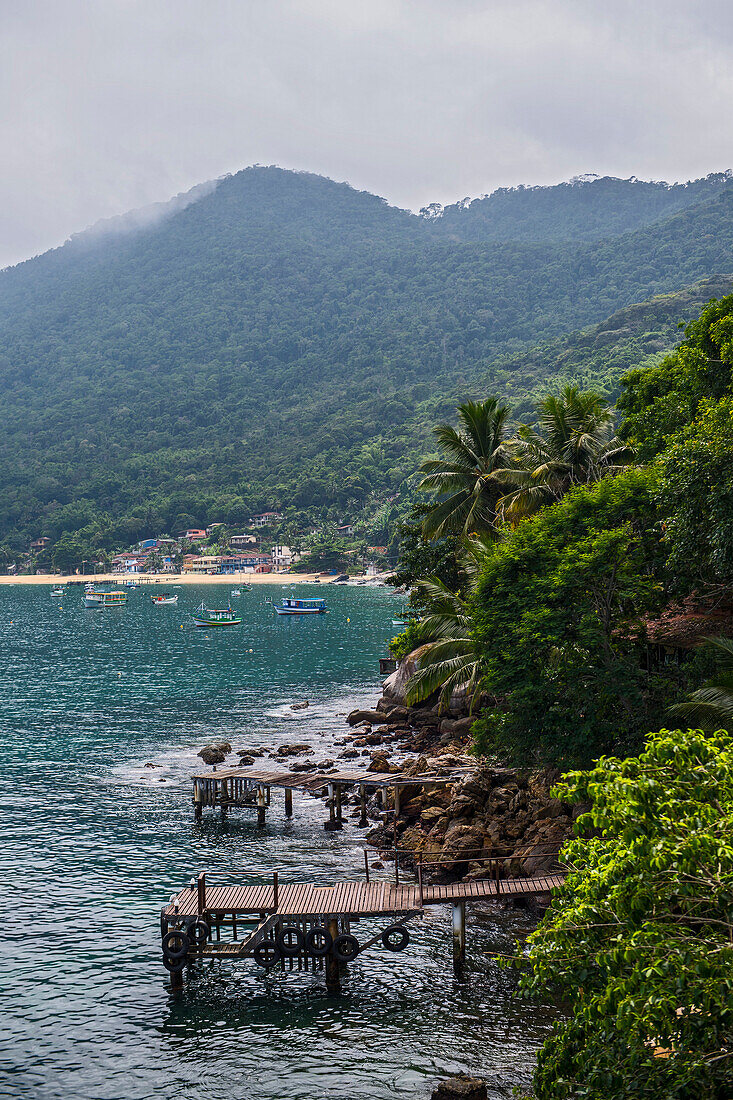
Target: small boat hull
[
  {"x": 301, "y": 611},
  {"x": 197, "y": 621}
]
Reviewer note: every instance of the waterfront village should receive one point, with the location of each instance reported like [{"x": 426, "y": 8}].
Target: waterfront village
[{"x": 214, "y": 550}]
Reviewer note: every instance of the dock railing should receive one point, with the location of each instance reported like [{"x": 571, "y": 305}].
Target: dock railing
[{"x": 494, "y": 862}]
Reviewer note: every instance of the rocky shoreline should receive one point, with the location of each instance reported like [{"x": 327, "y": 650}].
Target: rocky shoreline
[{"x": 494, "y": 820}]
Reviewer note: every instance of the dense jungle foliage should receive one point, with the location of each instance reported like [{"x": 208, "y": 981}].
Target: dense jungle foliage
[
  {"x": 552, "y": 632},
  {"x": 551, "y": 640},
  {"x": 639, "y": 939},
  {"x": 286, "y": 342}
]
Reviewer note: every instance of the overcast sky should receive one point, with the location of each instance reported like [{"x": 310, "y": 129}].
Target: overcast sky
[{"x": 106, "y": 105}]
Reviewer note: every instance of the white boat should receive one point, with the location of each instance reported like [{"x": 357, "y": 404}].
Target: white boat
[
  {"x": 58, "y": 591},
  {"x": 235, "y": 592},
  {"x": 292, "y": 606},
  {"x": 97, "y": 599},
  {"x": 164, "y": 597}
]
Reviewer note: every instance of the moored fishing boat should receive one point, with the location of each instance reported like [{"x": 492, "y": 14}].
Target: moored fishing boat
[
  {"x": 293, "y": 606},
  {"x": 58, "y": 590},
  {"x": 165, "y": 597},
  {"x": 235, "y": 592},
  {"x": 216, "y": 616},
  {"x": 95, "y": 598}
]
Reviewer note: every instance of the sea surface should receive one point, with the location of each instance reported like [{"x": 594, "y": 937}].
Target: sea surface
[{"x": 93, "y": 843}]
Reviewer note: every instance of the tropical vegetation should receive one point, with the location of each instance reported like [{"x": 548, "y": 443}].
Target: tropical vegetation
[
  {"x": 639, "y": 939},
  {"x": 613, "y": 536}
]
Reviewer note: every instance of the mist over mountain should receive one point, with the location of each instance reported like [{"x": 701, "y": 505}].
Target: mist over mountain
[{"x": 285, "y": 341}]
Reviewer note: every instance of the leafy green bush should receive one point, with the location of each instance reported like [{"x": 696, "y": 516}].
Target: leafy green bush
[
  {"x": 405, "y": 642},
  {"x": 639, "y": 939},
  {"x": 556, "y": 620}
]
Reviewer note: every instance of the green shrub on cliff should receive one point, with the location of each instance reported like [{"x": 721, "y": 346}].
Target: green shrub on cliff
[
  {"x": 555, "y": 622},
  {"x": 639, "y": 939}
]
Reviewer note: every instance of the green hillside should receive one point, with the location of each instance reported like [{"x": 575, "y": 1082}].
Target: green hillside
[
  {"x": 639, "y": 335},
  {"x": 284, "y": 341},
  {"x": 587, "y": 209}
]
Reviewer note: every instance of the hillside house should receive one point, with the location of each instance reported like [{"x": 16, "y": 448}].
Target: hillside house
[{"x": 265, "y": 519}]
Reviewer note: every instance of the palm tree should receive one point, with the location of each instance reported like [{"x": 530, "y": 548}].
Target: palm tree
[
  {"x": 711, "y": 707},
  {"x": 446, "y": 656},
  {"x": 471, "y": 478},
  {"x": 573, "y": 445}
]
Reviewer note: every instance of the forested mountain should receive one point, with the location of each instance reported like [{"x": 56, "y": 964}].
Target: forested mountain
[
  {"x": 283, "y": 341},
  {"x": 586, "y": 209}
]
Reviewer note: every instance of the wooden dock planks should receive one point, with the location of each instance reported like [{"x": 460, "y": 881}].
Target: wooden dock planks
[{"x": 351, "y": 899}]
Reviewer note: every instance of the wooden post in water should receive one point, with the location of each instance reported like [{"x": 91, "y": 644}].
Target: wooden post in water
[
  {"x": 363, "y": 822},
  {"x": 202, "y": 892},
  {"x": 260, "y": 807},
  {"x": 275, "y": 892},
  {"x": 223, "y": 799},
  {"x": 333, "y": 821},
  {"x": 333, "y": 968},
  {"x": 288, "y": 801},
  {"x": 366, "y": 864},
  {"x": 396, "y": 811},
  {"x": 339, "y": 808},
  {"x": 198, "y": 807},
  {"x": 459, "y": 937}
]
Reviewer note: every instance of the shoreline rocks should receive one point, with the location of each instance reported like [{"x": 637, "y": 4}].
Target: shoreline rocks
[
  {"x": 495, "y": 820},
  {"x": 461, "y": 1087}
]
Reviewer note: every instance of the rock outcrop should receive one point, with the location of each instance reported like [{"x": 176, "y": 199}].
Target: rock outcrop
[{"x": 461, "y": 1087}]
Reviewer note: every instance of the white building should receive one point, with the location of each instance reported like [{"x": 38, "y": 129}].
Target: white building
[{"x": 283, "y": 557}]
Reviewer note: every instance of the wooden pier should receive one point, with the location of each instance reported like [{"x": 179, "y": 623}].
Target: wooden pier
[
  {"x": 250, "y": 788},
  {"x": 308, "y": 926}
]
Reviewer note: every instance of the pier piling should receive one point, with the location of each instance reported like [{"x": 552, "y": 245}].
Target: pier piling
[
  {"x": 459, "y": 937},
  {"x": 333, "y": 966}
]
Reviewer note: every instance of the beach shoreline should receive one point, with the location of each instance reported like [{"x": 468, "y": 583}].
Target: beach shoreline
[{"x": 232, "y": 579}]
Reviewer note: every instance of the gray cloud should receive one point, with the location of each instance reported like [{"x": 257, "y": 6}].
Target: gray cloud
[{"x": 115, "y": 105}]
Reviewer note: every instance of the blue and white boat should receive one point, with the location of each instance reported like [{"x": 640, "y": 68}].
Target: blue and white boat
[{"x": 292, "y": 606}]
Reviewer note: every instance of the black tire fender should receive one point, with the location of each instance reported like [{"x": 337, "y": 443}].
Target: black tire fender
[
  {"x": 318, "y": 941},
  {"x": 200, "y": 932},
  {"x": 345, "y": 947},
  {"x": 176, "y": 945},
  {"x": 267, "y": 954},
  {"x": 395, "y": 938},
  {"x": 290, "y": 940},
  {"x": 174, "y": 965}
]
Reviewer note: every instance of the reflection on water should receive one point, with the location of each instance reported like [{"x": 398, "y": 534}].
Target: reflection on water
[{"x": 94, "y": 843}]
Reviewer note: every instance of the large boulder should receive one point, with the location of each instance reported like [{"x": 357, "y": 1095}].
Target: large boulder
[
  {"x": 294, "y": 750},
  {"x": 462, "y": 843},
  {"x": 380, "y": 763},
  {"x": 210, "y": 754},
  {"x": 461, "y": 1087}
]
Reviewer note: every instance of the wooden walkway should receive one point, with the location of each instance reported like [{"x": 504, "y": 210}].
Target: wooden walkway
[
  {"x": 346, "y": 899},
  {"x": 249, "y": 787}
]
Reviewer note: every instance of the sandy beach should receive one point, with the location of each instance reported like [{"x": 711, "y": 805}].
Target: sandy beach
[{"x": 232, "y": 579}]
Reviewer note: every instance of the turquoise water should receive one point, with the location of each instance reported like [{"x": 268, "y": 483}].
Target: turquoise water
[{"x": 93, "y": 843}]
